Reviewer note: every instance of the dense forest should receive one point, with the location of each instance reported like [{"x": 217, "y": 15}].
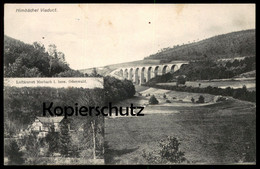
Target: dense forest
[{"x": 235, "y": 44}]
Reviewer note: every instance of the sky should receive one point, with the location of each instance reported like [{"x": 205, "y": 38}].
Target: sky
[{"x": 94, "y": 35}]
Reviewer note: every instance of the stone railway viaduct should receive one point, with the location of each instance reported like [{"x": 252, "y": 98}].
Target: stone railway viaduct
[{"x": 141, "y": 74}]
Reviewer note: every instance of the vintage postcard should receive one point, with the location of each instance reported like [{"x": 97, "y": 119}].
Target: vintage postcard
[{"x": 114, "y": 84}]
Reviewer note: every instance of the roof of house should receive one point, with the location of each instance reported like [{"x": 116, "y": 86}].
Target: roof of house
[{"x": 50, "y": 119}]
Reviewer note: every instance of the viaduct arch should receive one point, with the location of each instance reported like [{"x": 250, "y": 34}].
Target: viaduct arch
[{"x": 141, "y": 74}]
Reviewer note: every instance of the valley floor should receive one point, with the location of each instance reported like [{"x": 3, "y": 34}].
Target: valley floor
[{"x": 222, "y": 132}]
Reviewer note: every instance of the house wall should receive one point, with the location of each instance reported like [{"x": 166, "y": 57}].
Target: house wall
[{"x": 37, "y": 126}]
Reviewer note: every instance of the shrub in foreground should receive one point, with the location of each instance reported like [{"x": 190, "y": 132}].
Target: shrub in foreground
[
  {"x": 169, "y": 152},
  {"x": 153, "y": 100}
]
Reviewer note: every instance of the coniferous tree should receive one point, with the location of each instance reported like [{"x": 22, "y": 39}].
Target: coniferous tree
[
  {"x": 53, "y": 140},
  {"x": 64, "y": 138},
  {"x": 153, "y": 100},
  {"x": 94, "y": 73},
  {"x": 15, "y": 156},
  {"x": 33, "y": 146}
]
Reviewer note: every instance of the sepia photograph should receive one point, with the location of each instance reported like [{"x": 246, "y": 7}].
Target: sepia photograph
[{"x": 129, "y": 84}]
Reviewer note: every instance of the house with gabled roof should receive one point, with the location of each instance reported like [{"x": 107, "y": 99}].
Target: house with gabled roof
[{"x": 42, "y": 125}]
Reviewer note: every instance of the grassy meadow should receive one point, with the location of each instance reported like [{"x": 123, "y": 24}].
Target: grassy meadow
[{"x": 215, "y": 133}]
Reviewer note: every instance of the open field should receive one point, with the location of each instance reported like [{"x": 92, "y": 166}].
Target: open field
[
  {"x": 236, "y": 83},
  {"x": 215, "y": 133}
]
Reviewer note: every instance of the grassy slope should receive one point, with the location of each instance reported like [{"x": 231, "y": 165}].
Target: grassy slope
[{"x": 210, "y": 134}]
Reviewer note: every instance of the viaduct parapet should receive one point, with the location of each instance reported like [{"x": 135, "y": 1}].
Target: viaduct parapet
[{"x": 141, "y": 74}]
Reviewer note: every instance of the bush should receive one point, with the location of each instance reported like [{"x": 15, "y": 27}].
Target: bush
[
  {"x": 168, "y": 101},
  {"x": 219, "y": 99},
  {"x": 169, "y": 153},
  {"x": 170, "y": 150},
  {"x": 147, "y": 95},
  {"x": 201, "y": 99},
  {"x": 192, "y": 100},
  {"x": 164, "y": 96},
  {"x": 181, "y": 80},
  {"x": 153, "y": 100}
]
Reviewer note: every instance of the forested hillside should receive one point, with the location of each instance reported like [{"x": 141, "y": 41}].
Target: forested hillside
[
  {"x": 229, "y": 45},
  {"x": 25, "y": 60}
]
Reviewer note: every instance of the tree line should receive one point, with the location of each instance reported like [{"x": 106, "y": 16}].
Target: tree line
[{"x": 240, "y": 93}]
